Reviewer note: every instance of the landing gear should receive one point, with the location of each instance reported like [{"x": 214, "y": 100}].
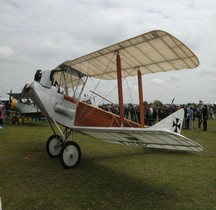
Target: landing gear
[
  {"x": 19, "y": 120},
  {"x": 53, "y": 145},
  {"x": 68, "y": 151},
  {"x": 70, "y": 155}
]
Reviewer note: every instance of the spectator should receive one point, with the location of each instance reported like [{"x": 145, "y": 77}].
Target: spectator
[
  {"x": 133, "y": 113},
  {"x": 211, "y": 113},
  {"x": 187, "y": 118},
  {"x": 2, "y": 106},
  {"x": 191, "y": 118},
  {"x": 205, "y": 117},
  {"x": 199, "y": 117},
  {"x": 126, "y": 111}
]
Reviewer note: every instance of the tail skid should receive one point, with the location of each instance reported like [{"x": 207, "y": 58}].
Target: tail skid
[{"x": 172, "y": 123}]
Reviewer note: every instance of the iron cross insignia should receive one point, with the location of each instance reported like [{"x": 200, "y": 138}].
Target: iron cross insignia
[{"x": 176, "y": 125}]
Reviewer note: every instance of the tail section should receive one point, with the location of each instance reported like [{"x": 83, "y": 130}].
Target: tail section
[{"x": 172, "y": 123}]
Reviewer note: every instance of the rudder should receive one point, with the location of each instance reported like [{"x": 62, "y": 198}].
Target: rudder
[{"x": 172, "y": 122}]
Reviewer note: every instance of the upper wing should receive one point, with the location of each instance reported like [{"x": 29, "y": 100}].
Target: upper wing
[
  {"x": 162, "y": 139},
  {"x": 152, "y": 52}
]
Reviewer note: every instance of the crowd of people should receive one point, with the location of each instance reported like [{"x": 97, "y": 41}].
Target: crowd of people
[{"x": 154, "y": 114}]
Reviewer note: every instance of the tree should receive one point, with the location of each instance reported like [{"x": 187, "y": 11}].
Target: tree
[
  {"x": 145, "y": 103},
  {"x": 157, "y": 103}
]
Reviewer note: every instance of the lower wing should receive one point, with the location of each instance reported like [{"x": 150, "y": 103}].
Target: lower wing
[{"x": 144, "y": 137}]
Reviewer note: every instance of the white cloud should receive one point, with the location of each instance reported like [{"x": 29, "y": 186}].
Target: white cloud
[
  {"x": 6, "y": 52},
  {"x": 158, "y": 81},
  {"x": 44, "y": 33}
]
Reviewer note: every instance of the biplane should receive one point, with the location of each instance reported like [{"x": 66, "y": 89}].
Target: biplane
[
  {"x": 22, "y": 106},
  {"x": 152, "y": 52}
]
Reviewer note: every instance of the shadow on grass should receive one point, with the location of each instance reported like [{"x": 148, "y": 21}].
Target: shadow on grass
[
  {"x": 111, "y": 187},
  {"x": 141, "y": 152},
  {"x": 105, "y": 179},
  {"x": 168, "y": 152}
]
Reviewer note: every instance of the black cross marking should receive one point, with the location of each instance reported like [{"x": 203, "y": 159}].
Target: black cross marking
[{"x": 177, "y": 125}]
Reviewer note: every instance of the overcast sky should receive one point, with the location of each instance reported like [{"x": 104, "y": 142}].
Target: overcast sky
[{"x": 44, "y": 33}]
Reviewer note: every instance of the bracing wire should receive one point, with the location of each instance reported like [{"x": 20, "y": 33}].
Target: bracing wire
[
  {"x": 101, "y": 78},
  {"x": 104, "y": 72},
  {"x": 115, "y": 87}
]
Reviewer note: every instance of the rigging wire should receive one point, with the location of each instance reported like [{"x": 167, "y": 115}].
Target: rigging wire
[
  {"x": 115, "y": 87},
  {"x": 100, "y": 80},
  {"x": 104, "y": 72}
]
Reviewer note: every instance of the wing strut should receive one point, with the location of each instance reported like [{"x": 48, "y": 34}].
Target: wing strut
[
  {"x": 120, "y": 92},
  {"x": 142, "y": 120}
]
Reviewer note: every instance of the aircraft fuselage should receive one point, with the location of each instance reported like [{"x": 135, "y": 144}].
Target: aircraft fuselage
[{"x": 51, "y": 102}]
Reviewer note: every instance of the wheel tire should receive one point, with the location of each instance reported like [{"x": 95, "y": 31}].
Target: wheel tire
[
  {"x": 53, "y": 146},
  {"x": 20, "y": 120},
  {"x": 14, "y": 120},
  {"x": 29, "y": 119},
  {"x": 70, "y": 155}
]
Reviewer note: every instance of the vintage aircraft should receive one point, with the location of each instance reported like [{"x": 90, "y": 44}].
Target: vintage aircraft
[
  {"x": 22, "y": 106},
  {"x": 152, "y": 52}
]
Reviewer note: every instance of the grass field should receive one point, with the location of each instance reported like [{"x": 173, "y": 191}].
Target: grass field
[{"x": 109, "y": 177}]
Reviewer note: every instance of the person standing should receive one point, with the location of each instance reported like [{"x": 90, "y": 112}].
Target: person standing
[
  {"x": 211, "y": 113},
  {"x": 2, "y": 106},
  {"x": 205, "y": 117},
  {"x": 187, "y": 120},
  {"x": 199, "y": 117},
  {"x": 191, "y": 118}
]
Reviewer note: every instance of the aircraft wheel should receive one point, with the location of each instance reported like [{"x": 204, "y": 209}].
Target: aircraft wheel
[
  {"x": 53, "y": 146},
  {"x": 20, "y": 120},
  {"x": 29, "y": 119},
  {"x": 70, "y": 155},
  {"x": 14, "y": 120}
]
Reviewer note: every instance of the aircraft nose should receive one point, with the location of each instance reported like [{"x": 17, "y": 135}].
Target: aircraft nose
[{"x": 13, "y": 103}]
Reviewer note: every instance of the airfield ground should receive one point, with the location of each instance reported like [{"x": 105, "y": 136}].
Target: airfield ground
[{"x": 109, "y": 177}]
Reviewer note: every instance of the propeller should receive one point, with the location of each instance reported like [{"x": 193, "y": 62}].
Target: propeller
[
  {"x": 10, "y": 97},
  {"x": 13, "y": 103},
  {"x": 12, "y": 100}
]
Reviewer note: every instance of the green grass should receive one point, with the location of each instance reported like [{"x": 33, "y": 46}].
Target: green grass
[{"x": 109, "y": 177}]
